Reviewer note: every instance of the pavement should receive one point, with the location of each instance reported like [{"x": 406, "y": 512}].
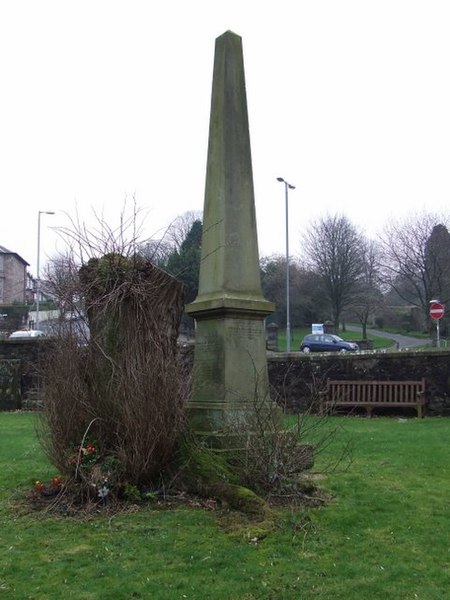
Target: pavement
[{"x": 401, "y": 341}]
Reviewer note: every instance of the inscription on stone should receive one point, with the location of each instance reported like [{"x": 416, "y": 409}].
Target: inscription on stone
[
  {"x": 207, "y": 348},
  {"x": 249, "y": 331}
]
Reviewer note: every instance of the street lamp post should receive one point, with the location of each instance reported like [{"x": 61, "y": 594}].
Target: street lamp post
[
  {"x": 287, "y": 187},
  {"x": 40, "y": 212}
]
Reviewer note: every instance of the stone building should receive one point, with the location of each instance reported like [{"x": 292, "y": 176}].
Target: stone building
[{"x": 13, "y": 277}]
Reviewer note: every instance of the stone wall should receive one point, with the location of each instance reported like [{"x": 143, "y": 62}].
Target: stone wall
[
  {"x": 299, "y": 378},
  {"x": 29, "y": 354},
  {"x": 296, "y": 378}
]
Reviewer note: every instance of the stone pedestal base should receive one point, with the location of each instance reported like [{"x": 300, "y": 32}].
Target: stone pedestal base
[{"x": 230, "y": 382}]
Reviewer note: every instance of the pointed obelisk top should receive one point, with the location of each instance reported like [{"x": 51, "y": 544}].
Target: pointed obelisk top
[
  {"x": 230, "y": 365},
  {"x": 229, "y": 270}
]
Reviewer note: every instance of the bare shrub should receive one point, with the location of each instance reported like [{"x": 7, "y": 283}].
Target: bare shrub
[
  {"x": 114, "y": 407},
  {"x": 67, "y": 409},
  {"x": 272, "y": 455},
  {"x": 134, "y": 312}
]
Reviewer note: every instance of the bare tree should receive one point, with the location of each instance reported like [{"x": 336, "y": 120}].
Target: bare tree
[
  {"x": 159, "y": 251},
  {"x": 308, "y": 304},
  {"x": 179, "y": 229},
  {"x": 416, "y": 259},
  {"x": 84, "y": 242},
  {"x": 368, "y": 296},
  {"x": 335, "y": 250},
  {"x": 61, "y": 280}
]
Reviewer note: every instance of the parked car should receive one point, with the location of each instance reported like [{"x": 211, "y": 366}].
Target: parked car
[
  {"x": 27, "y": 334},
  {"x": 326, "y": 342}
]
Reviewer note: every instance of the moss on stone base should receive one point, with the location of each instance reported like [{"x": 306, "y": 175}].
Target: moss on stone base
[
  {"x": 208, "y": 472},
  {"x": 240, "y": 498}
]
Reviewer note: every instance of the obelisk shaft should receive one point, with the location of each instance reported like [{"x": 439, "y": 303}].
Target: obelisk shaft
[
  {"x": 230, "y": 366},
  {"x": 230, "y": 262}
]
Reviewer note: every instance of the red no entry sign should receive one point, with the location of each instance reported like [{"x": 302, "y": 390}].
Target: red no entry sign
[{"x": 437, "y": 310}]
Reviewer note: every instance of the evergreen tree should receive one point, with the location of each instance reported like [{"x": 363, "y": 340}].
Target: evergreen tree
[{"x": 184, "y": 264}]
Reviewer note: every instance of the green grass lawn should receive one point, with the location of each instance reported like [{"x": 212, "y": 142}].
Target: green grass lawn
[{"x": 384, "y": 535}]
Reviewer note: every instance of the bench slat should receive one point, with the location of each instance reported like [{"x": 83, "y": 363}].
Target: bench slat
[{"x": 370, "y": 394}]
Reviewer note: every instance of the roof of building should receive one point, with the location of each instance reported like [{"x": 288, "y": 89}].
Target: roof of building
[{"x": 4, "y": 250}]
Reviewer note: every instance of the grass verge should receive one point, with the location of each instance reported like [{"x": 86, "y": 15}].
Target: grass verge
[{"x": 384, "y": 534}]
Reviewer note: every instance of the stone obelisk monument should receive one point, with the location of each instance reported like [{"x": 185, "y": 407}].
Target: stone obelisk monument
[{"x": 230, "y": 365}]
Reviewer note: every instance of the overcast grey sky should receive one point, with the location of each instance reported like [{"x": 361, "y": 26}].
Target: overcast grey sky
[{"x": 103, "y": 100}]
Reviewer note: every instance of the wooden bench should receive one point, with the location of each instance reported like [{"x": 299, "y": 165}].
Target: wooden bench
[{"x": 371, "y": 394}]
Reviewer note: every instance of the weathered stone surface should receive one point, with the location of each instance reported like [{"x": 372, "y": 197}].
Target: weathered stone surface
[
  {"x": 230, "y": 372},
  {"x": 10, "y": 397},
  {"x": 30, "y": 355},
  {"x": 299, "y": 378},
  {"x": 230, "y": 262},
  {"x": 294, "y": 377}
]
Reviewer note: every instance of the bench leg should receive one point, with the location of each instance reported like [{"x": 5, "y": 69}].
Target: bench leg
[
  {"x": 419, "y": 411},
  {"x": 369, "y": 410}
]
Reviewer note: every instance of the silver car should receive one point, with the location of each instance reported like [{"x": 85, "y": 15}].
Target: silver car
[{"x": 26, "y": 334}]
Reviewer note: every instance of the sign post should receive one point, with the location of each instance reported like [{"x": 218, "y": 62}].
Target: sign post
[
  {"x": 317, "y": 328},
  {"x": 437, "y": 311}
]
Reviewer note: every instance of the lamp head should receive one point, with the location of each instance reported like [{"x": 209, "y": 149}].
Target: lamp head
[{"x": 291, "y": 187}]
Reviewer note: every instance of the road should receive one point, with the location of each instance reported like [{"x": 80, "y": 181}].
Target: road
[{"x": 402, "y": 341}]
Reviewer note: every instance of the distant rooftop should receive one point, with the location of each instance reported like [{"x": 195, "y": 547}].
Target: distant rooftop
[{"x": 4, "y": 250}]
